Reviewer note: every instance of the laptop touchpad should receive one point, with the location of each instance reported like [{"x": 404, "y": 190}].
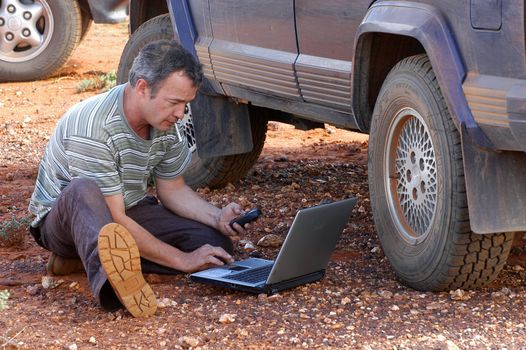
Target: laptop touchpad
[{"x": 237, "y": 268}]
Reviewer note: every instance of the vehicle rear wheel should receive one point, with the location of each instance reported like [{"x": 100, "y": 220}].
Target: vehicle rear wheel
[
  {"x": 417, "y": 189},
  {"x": 86, "y": 24},
  {"x": 215, "y": 171},
  {"x": 36, "y": 37}
]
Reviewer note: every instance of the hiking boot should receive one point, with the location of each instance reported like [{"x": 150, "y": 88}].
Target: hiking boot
[
  {"x": 59, "y": 266},
  {"x": 120, "y": 259}
]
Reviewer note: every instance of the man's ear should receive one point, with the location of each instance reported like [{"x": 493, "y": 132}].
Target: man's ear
[{"x": 142, "y": 87}]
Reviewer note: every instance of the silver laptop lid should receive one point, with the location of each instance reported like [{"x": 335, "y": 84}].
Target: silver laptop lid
[{"x": 311, "y": 240}]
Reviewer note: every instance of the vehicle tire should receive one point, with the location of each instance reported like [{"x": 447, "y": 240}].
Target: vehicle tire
[
  {"x": 86, "y": 24},
  {"x": 417, "y": 189},
  {"x": 212, "y": 172},
  {"x": 37, "y": 37}
]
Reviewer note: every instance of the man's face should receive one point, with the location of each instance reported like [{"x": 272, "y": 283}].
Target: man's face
[{"x": 168, "y": 105}]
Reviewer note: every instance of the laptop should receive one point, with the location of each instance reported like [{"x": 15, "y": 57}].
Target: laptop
[{"x": 302, "y": 258}]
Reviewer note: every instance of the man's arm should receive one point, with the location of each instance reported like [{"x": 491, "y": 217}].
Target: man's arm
[
  {"x": 162, "y": 253},
  {"x": 175, "y": 195}
]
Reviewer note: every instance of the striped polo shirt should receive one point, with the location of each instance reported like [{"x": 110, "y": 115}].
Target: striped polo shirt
[{"x": 94, "y": 140}]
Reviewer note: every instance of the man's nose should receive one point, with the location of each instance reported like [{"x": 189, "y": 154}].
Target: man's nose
[{"x": 179, "y": 113}]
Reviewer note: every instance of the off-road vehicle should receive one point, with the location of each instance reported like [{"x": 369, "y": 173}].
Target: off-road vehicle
[
  {"x": 440, "y": 87},
  {"x": 38, "y": 36}
]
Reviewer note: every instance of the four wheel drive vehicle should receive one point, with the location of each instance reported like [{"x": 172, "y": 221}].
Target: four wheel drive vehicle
[
  {"x": 38, "y": 36},
  {"x": 440, "y": 87}
]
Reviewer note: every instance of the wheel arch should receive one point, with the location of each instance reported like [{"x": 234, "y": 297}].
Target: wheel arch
[{"x": 414, "y": 28}]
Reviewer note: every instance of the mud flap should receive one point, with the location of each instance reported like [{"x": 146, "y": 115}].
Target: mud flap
[
  {"x": 221, "y": 126},
  {"x": 495, "y": 187}
]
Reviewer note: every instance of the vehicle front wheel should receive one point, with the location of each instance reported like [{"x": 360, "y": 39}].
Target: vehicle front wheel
[
  {"x": 214, "y": 171},
  {"x": 417, "y": 189},
  {"x": 36, "y": 37}
]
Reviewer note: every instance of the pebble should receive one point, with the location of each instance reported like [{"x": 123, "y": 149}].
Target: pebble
[
  {"x": 49, "y": 282},
  {"x": 346, "y": 301},
  {"x": 72, "y": 346},
  {"x": 385, "y": 294},
  {"x": 227, "y": 318},
  {"x": 459, "y": 294},
  {"x": 92, "y": 340},
  {"x": 186, "y": 341},
  {"x": 32, "y": 290},
  {"x": 249, "y": 247},
  {"x": 434, "y": 306},
  {"x": 517, "y": 268},
  {"x": 270, "y": 241}
]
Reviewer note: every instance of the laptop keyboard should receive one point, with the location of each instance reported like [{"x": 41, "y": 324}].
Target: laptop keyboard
[{"x": 251, "y": 276}]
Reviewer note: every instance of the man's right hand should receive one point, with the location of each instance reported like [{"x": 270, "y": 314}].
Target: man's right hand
[{"x": 205, "y": 257}]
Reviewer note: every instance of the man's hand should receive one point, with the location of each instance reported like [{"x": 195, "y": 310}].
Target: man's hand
[
  {"x": 228, "y": 213},
  {"x": 205, "y": 257}
]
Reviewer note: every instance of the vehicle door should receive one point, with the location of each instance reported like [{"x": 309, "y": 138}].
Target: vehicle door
[
  {"x": 254, "y": 46},
  {"x": 326, "y": 31}
]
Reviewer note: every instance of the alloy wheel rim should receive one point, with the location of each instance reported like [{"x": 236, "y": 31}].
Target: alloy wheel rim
[
  {"x": 26, "y": 28},
  {"x": 411, "y": 176}
]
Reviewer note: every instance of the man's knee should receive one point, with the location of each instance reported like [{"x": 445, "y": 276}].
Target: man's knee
[{"x": 84, "y": 189}]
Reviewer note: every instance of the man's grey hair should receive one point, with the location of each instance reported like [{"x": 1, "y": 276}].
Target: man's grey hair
[{"x": 157, "y": 60}]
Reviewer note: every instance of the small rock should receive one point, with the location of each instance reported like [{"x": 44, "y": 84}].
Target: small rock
[
  {"x": 434, "y": 306},
  {"x": 74, "y": 285},
  {"x": 187, "y": 341},
  {"x": 271, "y": 241},
  {"x": 49, "y": 282},
  {"x": 72, "y": 347},
  {"x": 92, "y": 340},
  {"x": 517, "y": 268},
  {"x": 32, "y": 290},
  {"x": 395, "y": 308},
  {"x": 346, "y": 301},
  {"x": 330, "y": 130},
  {"x": 227, "y": 318},
  {"x": 375, "y": 250},
  {"x": 385, "y": 294},
  {"x": 249, "y": 247},
  {"x": 459, "y": 294}
]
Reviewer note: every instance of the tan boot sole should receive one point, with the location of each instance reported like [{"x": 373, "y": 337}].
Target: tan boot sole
[{"x": 120, "y": 259}]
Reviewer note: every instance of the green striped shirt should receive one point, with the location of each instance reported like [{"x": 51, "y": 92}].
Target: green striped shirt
[{"x": 94, "y": 140}]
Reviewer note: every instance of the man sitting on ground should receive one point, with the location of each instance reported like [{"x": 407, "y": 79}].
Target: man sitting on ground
[{"x": 91, "y": 199}]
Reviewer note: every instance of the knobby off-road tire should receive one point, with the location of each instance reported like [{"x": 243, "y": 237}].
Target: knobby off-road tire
[
  {"x": 417, "y": 189},
  {"x": 213, "y": 172},
  {"x": 37, "y": 37}
]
